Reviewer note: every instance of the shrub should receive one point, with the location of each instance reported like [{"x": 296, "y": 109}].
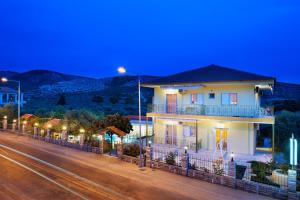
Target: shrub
[
  {"x": 170, "y": 159},
  {"x": 132, "y": 150},
  {"x": 218, "y": 167},
  {"x": 97, "y": 99}
]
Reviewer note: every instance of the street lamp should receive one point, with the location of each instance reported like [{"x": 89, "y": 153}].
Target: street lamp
[
  {"x": 5, "y": 80},
  {"x": 122, "y": 70}
]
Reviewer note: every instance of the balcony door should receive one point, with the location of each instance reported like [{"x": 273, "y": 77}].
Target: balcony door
[
  {"x": 171, "y": 135},
  {"x": 171, "y": 103}
]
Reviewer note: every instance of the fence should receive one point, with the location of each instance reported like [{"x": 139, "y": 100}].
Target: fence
[
  {"x": 84, "y": 147},
  {"x": 212, "y": 110},
  {"x": 254, "y": 171}
]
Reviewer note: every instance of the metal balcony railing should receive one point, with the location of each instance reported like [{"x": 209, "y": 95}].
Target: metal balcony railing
[{"x": 213, "y": 110}]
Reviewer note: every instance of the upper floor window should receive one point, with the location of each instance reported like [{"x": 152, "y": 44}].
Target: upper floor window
[
  {"x": 211, "y": 95},
  {"x": 229, "y": 98},
  {"x": 197, "y": 98}
]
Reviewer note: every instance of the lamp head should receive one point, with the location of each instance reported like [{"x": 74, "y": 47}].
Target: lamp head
[
  {"x": 64, "y": 128},
  {"x": 121, "y": 70},
  {"x": 4, "y": 80},
  {"x": 81, "y": 130}
]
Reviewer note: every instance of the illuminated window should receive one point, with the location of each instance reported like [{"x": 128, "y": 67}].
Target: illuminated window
[{"x": 229, "y": 98}]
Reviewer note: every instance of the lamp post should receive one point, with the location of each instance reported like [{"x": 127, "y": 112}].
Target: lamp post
[
  {"x": 122, "y": 70},
  {"x": 5, "y": 80}
]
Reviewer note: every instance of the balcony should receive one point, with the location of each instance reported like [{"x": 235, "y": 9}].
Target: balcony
[{"x": 249, "y": 111}]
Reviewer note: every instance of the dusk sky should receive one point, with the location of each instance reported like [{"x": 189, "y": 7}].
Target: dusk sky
[{"x": 155, "y": 37}]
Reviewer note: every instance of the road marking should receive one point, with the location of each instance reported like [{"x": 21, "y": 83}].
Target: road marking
[
  {"x": 43, "y": 176},
  {"x": 67, "y": 172}
]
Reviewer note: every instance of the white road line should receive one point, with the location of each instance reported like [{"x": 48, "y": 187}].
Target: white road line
[
  {"x": 67, "y": 172},
  {"x": 43, "y": 176}
]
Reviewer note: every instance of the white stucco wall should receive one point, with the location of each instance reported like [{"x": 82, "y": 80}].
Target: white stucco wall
[
  {"x": 245, "y": 94},
  {"x": 241, "y": 136}
]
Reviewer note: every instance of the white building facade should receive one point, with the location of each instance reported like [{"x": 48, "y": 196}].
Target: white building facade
[{"x": 211, "y": 110}]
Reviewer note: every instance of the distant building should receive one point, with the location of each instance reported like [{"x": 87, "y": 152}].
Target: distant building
[{"x": 9, "y": 96}]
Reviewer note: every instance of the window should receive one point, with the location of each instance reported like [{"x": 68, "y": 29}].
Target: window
[
  {"x": 197, "y": 99},
  {"x": 211, "y": 95},
  {"x": 229, "y": 98},
  {"x": 189, "y": 131},
  {"x": 193, "y": 98}
]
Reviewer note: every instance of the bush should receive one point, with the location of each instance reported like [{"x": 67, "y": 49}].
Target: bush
[
  {"x": 97, "y": 99},
  {"x": 218, "y": 167},
  {"x": 170, "y": 159},
  {"x": 132, "y": 150}
]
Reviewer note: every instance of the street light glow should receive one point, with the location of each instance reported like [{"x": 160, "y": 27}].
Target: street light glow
[
  {"x": 4, "y": 80},
  {"x": 36, "y": 124},
  {"x": 64, "y": 128},
  {"x": 121, "y": 70}
]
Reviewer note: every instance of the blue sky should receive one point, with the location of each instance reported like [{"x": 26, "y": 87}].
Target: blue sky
[{"x": 155, "y": 37}]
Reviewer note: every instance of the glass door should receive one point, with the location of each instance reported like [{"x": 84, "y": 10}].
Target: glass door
[
  {"x": 221, "y": 139},
  {"x": 171, "y": 104}
]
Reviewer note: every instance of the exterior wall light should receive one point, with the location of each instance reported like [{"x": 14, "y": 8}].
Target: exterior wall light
[
  {"x": 149, "y": 143},
  {"x": 185, "y": 149},
  {"x": 232, "y": 156}
]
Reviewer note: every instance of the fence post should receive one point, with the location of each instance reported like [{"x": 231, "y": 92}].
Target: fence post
[
  {"x": 48, "y": 133},
  {"x": 149, "y": 151},
  {"x": 4, "y": 123},
  {"x": 35, "y": 131},
  {"x": 24, "y": 127},
  {"x": 14, "y": 125},
  {"x": 292, "y": 184},
  {"x": 231, "y": 169},
  {"x": 101, "y": 144},
  {"x": 119, "y": 150},
  {"x": 185, "y": 162}
]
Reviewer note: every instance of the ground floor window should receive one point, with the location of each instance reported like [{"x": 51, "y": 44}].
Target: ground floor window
[{"x": 171, "y": 135}]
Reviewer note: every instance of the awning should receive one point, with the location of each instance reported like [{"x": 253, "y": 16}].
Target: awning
[{"x": 114, "y": 130}]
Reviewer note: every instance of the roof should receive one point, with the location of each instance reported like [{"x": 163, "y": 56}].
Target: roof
[
  {"x": 114, "y": 130},
  {"x": 27, "y": 116},
  {"x": 210, "y": 73},
  {"x": 7, "y": 90},
  {"x": 52, "y": 122},
  {"x": 136, "y": 117}
]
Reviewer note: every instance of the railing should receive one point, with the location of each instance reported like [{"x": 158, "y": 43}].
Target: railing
[
  {"x": 257, "y": 172},
  {"x": 212, "y": 110}
]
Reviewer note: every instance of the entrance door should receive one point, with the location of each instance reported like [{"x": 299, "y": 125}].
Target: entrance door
[
  {"x": 221, "y": 139},
  {"x": 171, "y": 106}
]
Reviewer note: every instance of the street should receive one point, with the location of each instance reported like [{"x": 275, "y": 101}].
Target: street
[{"x": 31, "y": 169}]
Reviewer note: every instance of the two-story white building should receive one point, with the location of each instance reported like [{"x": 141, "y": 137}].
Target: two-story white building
[
  {"x": 9, "y": 96},
  {"x": 210, "y": 110}
]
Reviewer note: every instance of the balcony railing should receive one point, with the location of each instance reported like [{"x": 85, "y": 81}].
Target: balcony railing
[{"x": 212, "y": 110}]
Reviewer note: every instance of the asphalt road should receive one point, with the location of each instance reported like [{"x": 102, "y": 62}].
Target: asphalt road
[{"x": 31, "y": 169}]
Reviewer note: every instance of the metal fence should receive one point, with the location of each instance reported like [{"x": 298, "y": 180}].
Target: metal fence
[
  {"x": 259, "y": 172},
  {"x": 212, "y": 110}
]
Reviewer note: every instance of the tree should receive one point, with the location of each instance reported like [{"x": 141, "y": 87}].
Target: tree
[
  {"x": 62, "y": 101},
  {"x": 114, "y": 100},
  {"x": 10, "y": 111},
  {"x": 118, "y": 121},
  {"x": 97, "y": 99},
  {"x": 76, "y": 120},
  {"x": 287, "y": 123}
]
